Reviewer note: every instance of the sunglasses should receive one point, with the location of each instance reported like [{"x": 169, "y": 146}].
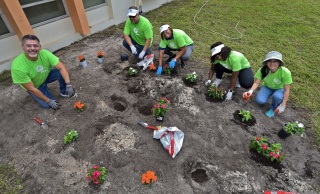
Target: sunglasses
[{"x": 132, "y": 16}]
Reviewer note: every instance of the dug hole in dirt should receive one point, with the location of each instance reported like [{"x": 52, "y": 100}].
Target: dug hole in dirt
[{"x": 215, "y": 156}]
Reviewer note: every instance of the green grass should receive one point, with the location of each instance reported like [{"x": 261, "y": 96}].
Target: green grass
[
  {"x": 290, "y": 27},
  {"x": 9, "y": 181}
]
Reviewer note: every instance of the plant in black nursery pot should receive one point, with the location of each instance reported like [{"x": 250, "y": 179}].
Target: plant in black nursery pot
[
  {"x": 291, "y": 128},
  {"x": 161, "y": 108}
]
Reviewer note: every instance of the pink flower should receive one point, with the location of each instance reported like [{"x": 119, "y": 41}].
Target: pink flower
[
  {"x": 156, "y": 106},
  {"x": 96, "y": 182},
  {"x": 163, "y": 106},
  {"x": 96, "y": 173},
  {"x": 277, "y": 156},
  {"x": 168, "y": 101},
  {"x": 271, "y": 154},
  {"x": 264, "y": 146},
  {"x": 258, "y": 138},
  {"x": 95, "y": 167},
  {"x": 88, "y": 178}
]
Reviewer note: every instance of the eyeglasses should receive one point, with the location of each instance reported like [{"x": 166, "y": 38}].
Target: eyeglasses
[
  {"x": 273, "y": 61},
  {"x": 32, "y": 45}
]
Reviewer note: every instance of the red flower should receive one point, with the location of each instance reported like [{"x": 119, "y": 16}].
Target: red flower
[
  {"x": 95, "y": 167},
  {"x": 271, "y": 154},
  {"x": 258, "y": 138},
  {"x": 264, "y": 146}
]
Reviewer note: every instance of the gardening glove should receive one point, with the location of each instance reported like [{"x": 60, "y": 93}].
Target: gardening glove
[
  {"x": 172, "y": 63},
  {"x": 159, "y": 70},
  {"x": 133, "y": 49},
  {"x": 208, "y": 82},
  {"x": 70, "y": 91},
  {"x": 229, "y": 95},
  {"x": 141, "y": 55},
  {"x": 247, "y": 94},
  {"x": 279, "y": 109},
  {"x": 54, "y": 104}
]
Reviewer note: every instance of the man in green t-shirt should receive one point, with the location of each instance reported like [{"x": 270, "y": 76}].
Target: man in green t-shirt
[
  {"x": 276, "y": 83},
  {"x": 137, "y": 33},
  {"x": 35, "y": 68}
]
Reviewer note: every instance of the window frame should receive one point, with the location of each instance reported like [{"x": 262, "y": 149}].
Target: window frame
[{"x": 6, "y": 22}]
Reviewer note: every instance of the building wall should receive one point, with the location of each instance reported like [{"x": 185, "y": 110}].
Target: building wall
[{"x": 63, "y": 32}]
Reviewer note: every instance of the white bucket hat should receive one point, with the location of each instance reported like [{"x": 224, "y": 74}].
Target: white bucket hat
[
  {"x": 273, "y": 55},
  {"x": 217, "y": 49},
  {"x": 132, "y": 12}
]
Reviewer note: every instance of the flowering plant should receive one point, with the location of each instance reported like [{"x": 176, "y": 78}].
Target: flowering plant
[
  {"x": 100, "y": 54},
  {"x": 79, "y": 106},
  {"x": 166, "y": 69},
  {"x": 246, "y": 115},
  {"x": 97, "y": 174},
  {"x": 294, "y": 128},
  {"x": 152, "y": 67},
  {"x": 192, "y": 77},
  {"x": 148, "y": 178},
  {"x": 216, "y": 92},
  {"x": 132, "y": 71},
  {"x": 263, "y": 147},
  {"x": 70, "y": 136},
  {"x": 161, "y": 108},
  {"x": 81, "y": 58}
]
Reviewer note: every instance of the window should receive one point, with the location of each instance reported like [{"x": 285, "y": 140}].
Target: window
[
  {"x": 4, "y": 27},
  {"x": 40, "y": 12},
  {"x": 91, "y": 3}
]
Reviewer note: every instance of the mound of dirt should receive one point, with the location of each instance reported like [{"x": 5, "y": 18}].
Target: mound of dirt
[{"x": 215, "y": 156}]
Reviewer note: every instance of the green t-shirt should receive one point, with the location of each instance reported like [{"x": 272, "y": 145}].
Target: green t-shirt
[
  {"x": 139, "y": 32},
  {"x": 23, "y": 70},
  {"x": 277, "y": 79},
  {"x": 180, "y": 39},
  {"x": 235, "y": 62}
]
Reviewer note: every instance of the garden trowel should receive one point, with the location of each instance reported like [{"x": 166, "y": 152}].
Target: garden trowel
[
  {"x": 42, "y": 124},
  {"x": 145, "y": 125}
]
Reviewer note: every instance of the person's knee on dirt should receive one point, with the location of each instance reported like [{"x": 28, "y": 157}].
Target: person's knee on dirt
[
  {"x": 137, "y": 33},
  {"x": 226, "y": 60},
  {"x": 35, "y": 68},
  {"x": 276, "y": 83},
  {"x": 174, "y": 40}
]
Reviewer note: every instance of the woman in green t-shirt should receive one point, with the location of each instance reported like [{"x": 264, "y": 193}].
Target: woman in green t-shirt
[
  {"x": 226, "y": 60},
  {"x": 276, "y": 83}
]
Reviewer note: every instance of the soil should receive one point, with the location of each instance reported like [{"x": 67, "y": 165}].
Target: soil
[{"x": 215, "y": 156}]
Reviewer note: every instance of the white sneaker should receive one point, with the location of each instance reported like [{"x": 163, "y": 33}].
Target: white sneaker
[
  {"x": 216, "y": 82},
  {"x": 237, "y": 84}
]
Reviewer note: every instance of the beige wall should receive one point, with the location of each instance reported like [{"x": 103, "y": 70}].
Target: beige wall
[{"x": 52, "y": 38}]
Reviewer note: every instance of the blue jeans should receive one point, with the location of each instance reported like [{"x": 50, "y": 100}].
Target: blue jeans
[
  {"x": 265, "y": 93},
  {"x": 139, "y": 47},
  {"x": 54, "y": 75}
]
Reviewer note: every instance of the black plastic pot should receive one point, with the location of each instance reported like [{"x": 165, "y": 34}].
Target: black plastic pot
[
  {"x": 160, "y": 119},
  {"x": 124, "y": 57},
  {"x": 283, "y": 134}
]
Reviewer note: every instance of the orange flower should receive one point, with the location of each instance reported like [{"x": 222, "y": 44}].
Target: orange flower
[
  {"x": 78, "y": 105},
  {"x": 81, "y": 58},
  {"x": 148, "y": 177},
  {"x": 100, "y": 54},
  {"x": 152, "y": 67}
]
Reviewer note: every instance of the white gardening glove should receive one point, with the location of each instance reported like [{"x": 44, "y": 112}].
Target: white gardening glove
[
  {"x": 216, "y": 82},
  {"x": 229, "y": 95},
  {"x": 247, "y": 94},
  {"x": 208, "y": 82},
  {"x": 279, "y": 109},
  {"x": 133, "y": 49},
  {"x": 142, "y": 54}
]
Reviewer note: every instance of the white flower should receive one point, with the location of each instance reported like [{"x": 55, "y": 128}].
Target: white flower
[{"x": 300, "y": 125}]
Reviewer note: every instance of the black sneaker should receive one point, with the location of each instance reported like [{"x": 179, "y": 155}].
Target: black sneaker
[
  {"x": 182, "y": 65},
  {"x": 170, "y": 58}
]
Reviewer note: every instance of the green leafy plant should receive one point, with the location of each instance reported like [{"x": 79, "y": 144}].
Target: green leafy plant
[
  {"x": 161, "y": 108},
  {"x": 270, "y": 151},
  {"x": 71, "y": 136},
  {"x": 97, "y": 175},
  {"x": 132, "y": 71},
  {"x": 192, "y": 77},
  {"x": 246, "y": 115},
  {"x": 166, "y": 69},
  {"x": 215, "y": 92},
  {"x": 294, "y": 128}
]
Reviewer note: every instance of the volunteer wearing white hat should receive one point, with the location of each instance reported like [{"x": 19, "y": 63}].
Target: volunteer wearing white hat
[
  {"x": 224, "y": 59},
  {"x": 174, "y": 40},
  {"x": 137, "y": 33},
  {"x": 276, "y": 83}
]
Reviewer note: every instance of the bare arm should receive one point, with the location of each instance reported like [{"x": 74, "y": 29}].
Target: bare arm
[
  {"x": 211, "y": 71},
  {"x": 30, "y": 87},
  {"x": 286, "y": 95},
  {"x": 127, "y": 39},
  {"x": 181, "y": 53},
  {"x": 63, "y": 70},
  {"x": 255, "y": 85},
  {"x": 161, "y": 52},
  {"x": 146, "y": 46}
]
